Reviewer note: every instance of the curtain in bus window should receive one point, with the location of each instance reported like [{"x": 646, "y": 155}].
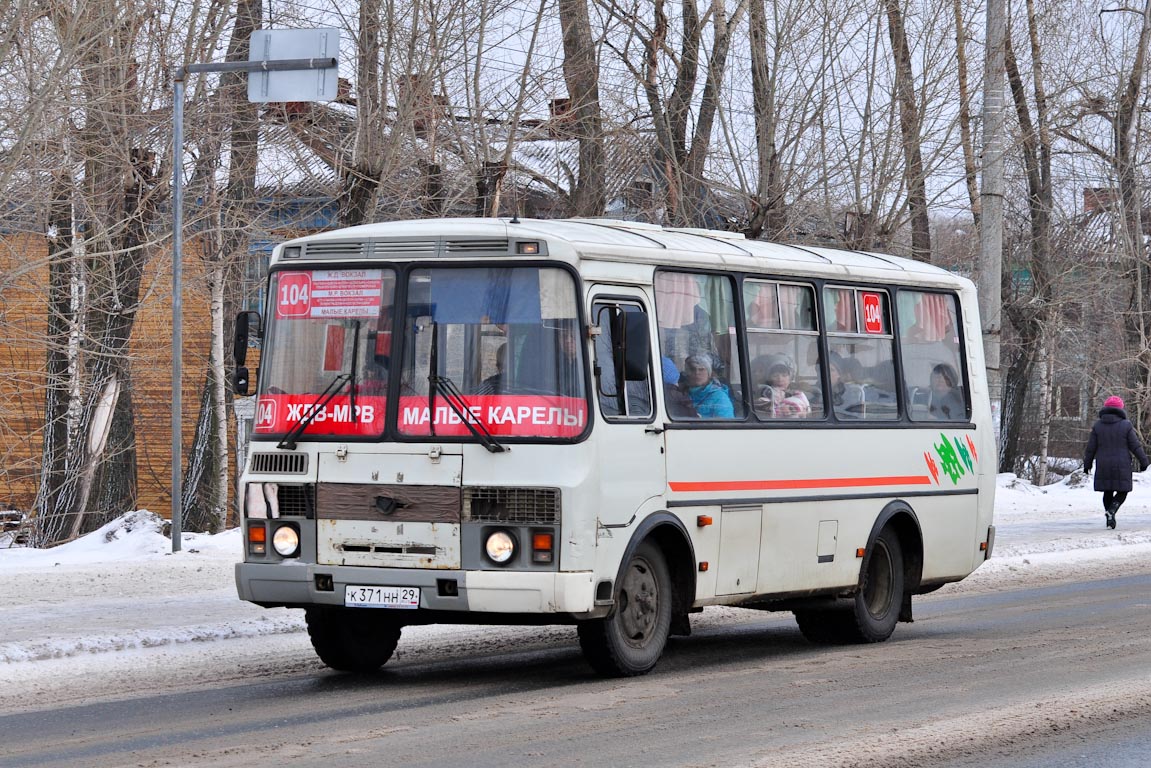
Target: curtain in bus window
[
  {"x": 678, "y": 295},
  {"x": 689, "y": 318},
  {"x": 925, "y": 316},
  {"x": 761, "y": 304},
  {"x": 795, "y": 306},
  {"x": 839, "y": 308},
  {"x": 510, "y": 296}
]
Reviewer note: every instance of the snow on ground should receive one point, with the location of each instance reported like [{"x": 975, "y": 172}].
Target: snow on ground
[{"x": 119, "y": 599}]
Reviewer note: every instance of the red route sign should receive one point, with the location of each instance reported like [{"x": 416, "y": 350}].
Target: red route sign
[
  {"x": 329, "y": 293},
  {"x": 872, "y": 312}
]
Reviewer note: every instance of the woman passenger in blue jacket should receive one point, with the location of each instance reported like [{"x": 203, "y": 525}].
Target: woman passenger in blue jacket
[
  {"x": 709, "y": 396},
  {"x": 1112, "y": 443}
]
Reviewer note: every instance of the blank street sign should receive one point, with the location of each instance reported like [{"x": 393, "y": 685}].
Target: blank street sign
[{"x": 294, "y": 85}]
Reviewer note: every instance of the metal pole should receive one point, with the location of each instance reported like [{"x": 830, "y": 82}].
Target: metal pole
[
  {"x": 178, "y": 74},
  {"x": 267, "y": 65},
  {"x": 178, "y": 77},
  {"x": 991, "y": 202}
]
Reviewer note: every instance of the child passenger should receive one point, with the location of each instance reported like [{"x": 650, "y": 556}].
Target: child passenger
[{"x": 778, "y": 396}]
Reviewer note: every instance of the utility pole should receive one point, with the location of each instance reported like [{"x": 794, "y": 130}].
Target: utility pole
[
  {"x": 991, "y": 202},
  {"x": 325, "y": 66}
]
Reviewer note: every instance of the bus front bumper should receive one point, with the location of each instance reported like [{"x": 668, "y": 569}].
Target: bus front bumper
[{"x": 296, "y": 585}]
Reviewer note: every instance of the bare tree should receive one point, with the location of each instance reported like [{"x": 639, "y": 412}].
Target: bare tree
[
  {"x": 679, "y": 162},
  {"x": 909, "y": 126},
  {"x": 117, "y": 202},
  {"x": 223, "y": 252},
  {"x": 966, "y": 139},
  {"x": 1131, "y": 197},
  {"x": 1030, "y": 313},
  {"x": 581, "y": 71}
]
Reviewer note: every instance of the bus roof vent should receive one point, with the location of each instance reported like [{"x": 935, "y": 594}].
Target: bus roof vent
[
  {"x": 491, "y": 245},
  {"x": 280, "y": 463},
  {"x": 334, "y": 250},
  {"x": 401, "y": 247},
  {"x": 530, "y": 506}
]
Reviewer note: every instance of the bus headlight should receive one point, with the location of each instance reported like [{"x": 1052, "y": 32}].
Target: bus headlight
[
  {"x": 286, "y": 541},
  {"x": 500, "y": 547}
]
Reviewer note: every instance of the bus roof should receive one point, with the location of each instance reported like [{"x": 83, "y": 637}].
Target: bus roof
[{"x": 624, "y": 241}]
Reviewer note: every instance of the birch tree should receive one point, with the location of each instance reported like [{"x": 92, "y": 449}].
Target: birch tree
[
  {"x": 1031, "y": 312},
  {"x": 223, "y": 252},
  {"x": 117, "y": 201}
]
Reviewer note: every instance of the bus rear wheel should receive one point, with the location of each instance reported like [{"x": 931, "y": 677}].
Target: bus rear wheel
[
  {"x": 630, "y": 641},
  {"x": 874, "y": 610},
  {"x": 352, "y": 640}
]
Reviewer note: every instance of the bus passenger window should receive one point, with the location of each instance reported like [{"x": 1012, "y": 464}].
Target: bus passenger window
[
  {"x": 696, "y": 316},
  {"x": 784, "y": 352},
  {"x": 929, "y": 344},
  {"x": 862, "y": 351}
]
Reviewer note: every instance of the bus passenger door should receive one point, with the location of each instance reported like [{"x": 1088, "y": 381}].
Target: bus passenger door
[{"x": 629, "y": 447}]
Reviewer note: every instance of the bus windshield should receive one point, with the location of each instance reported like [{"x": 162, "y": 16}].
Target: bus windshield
[
  {"x": 507, "y": 339},
  {"x": 327, "y": 353},
  {"x": 507, "y": 345}
]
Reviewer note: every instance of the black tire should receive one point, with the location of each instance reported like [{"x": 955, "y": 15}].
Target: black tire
[
  {"x": 823, "y": 627},
  {"x": 630, "y": 641},
  {"x": 874, "y": 610},
  {"x": 352, "y": 639}
]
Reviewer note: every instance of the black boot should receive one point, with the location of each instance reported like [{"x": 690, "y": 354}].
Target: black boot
[{"x": 1111, "y": 509}]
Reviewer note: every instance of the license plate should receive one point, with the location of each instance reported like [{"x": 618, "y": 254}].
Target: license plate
[{"x": 381, "y": 597}]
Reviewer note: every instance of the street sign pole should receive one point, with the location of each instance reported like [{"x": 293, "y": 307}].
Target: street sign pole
[{"x": 179, "y": 76}]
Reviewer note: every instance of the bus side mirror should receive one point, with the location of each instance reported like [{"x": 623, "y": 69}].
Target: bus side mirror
[
  {"x": 632, "y": 345},
  {"x": 245, "y": 323}
]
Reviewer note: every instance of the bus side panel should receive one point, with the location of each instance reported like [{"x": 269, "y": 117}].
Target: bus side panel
[{"x": 821, "y": 491}]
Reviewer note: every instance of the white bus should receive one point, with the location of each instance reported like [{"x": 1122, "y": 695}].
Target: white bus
[{"x": 610, "y": 424}]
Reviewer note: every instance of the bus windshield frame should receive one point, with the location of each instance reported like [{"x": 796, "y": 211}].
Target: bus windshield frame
[{"x": 509, "y": 346}]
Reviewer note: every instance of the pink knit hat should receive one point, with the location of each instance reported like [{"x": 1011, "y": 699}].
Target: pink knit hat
[{"x": 1113, "y": 402}]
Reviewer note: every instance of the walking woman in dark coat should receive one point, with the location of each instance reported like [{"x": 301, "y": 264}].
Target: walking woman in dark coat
[{"x": 1112, "y": 443}]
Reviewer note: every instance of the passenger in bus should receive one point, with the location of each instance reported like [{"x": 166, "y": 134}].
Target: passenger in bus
[
  {"x": 678, "y": 402},
  {"x": 777, "y": 397},
  {"x": 494, "y": 384},
  {"x": 694, "y": 338},
  {"x": 709, "y": 396},
  {"x": 946, "y": 400},
  {"x": 847, "y": 396},
  {"x": 569, "y": 370},
  {"x": 373, "y": 381}
]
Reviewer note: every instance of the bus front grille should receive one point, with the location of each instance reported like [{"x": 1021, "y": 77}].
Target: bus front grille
[
  {"x": 298, "y": 500},
  {"x": 280, "y": 463},
  {"x": 530, "y": 506}
]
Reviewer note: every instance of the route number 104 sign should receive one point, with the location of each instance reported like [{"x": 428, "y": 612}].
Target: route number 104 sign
[{"x": 326, "y": 293}]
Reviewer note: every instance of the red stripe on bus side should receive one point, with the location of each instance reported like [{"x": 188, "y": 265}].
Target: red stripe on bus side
[{"x": 812, "y": 483}]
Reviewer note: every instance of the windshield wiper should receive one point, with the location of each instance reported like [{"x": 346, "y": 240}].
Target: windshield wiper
[
  {"x": 330, "y": 391},
  {"x": 333, "y": 389},
  {"x": 455, "y": 399},
  {"x": 352, "y": 373}
]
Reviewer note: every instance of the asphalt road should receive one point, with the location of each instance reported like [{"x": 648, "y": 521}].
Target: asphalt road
[{"x": 1024, "y": 678}]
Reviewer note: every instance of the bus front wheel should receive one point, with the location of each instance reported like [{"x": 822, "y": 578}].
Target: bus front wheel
[
  {"x": 352, "y": 640},
  {"x": 630, "y": 641},
  {"x": 874, "y": 610}
]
